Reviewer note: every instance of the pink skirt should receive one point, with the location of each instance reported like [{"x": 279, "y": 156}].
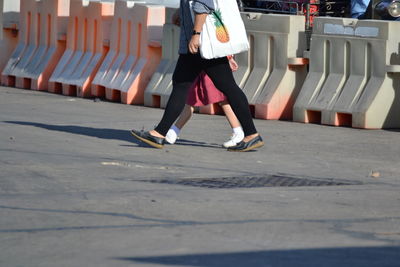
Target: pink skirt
[{"x": 203, "y": 92}]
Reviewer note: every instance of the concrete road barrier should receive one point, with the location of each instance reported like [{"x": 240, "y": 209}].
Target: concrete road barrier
[
  {"x": 39, "y": 49},
  {"x": 160, "y": 86},
  {"x": 85, "y": 49},
  {"x": 9, "y": 20},
  {"x": 354, "y": 75},
  {"x": 135, "y": 52},
  {"x": 271, "y": 73}
]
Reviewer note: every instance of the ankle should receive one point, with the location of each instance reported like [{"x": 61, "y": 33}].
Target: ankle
[
  {"x": 237, "y": 130},
  {"x": 249, "y": 137},
  {"x": 156, "y": 134},
  {"x": 176, "y": 129}
]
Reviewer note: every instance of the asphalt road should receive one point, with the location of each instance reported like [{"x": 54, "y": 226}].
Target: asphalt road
[{"x": 77, "y": 190}]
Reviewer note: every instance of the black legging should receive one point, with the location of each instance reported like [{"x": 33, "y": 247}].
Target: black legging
[{"x": 187, "y": 69}]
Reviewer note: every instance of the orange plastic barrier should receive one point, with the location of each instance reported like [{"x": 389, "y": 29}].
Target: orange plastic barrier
[
  {"x": 85, "y": 51},
  {"x": 134, "y": 55},
  {"x": 1, "y": 20},
  {"x": 159, "y": 88},
  {"x": 39, "y": 50},
  {"x": 9, "y": 11}
]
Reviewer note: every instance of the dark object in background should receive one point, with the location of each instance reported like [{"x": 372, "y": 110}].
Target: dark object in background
[
  {"x": 240, "y": 4},
  {"x": 334, "y": 8},
  {"x": 383, "y": 9},
  {"x": 308, "y": 8},
  {"x": 339, "y": 8},
  {"x": 293, "y": 7}
]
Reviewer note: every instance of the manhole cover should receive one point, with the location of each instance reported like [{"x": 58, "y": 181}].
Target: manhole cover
[{"x": 254, "y": 181}]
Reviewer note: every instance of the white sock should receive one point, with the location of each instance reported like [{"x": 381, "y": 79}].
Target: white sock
[
  {"x": 237, "y": 130},
  {"x": 176, "y": 129}
]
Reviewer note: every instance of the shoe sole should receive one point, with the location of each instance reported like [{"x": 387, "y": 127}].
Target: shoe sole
[
  {"x": 228, "y": 146},
  {"x": 256, "y": 145},
  {"x": 169, "y": 141},
  {"x": 150, "y": 143}
]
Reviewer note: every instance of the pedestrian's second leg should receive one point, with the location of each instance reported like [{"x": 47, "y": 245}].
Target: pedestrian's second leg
[
  {"x": 221, "y": 75},
  {"x": 237, "y": 131},
  {"x": 185, "y": 73},
  {"x": 174, "y": 131},
  {"x": 187, "y": 69}
]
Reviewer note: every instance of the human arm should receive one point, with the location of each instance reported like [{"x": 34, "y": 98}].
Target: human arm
[
  {"x": 194, "y": 42},
  {"x": 201, "y": 9},
  {"x": 232, "y": 63}
]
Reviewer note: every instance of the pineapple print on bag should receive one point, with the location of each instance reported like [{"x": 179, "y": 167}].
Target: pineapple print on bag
[{"x": 221, "y": 31}]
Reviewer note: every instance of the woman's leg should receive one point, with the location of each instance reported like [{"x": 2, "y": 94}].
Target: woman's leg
[
  {"x": 221, "y": 75},
  {"x": 175, "y": 130},
  {"x": 237, "y": 131},
  {"x": 187, "y": 69},
  {"x": 230, "y": 115},
  {"x": 184, "y": 117}
]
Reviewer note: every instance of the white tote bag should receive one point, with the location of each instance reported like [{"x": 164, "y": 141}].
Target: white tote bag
[{"x": 223, "y": 32}]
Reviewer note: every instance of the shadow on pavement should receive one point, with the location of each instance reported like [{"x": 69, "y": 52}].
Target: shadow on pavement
[
  {"x": 388, "y": 256},
  {"x": 103, "y": 133},
  {"x": 185, "y": 142}
]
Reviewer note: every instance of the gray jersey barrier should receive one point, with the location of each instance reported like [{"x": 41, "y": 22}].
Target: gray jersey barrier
[
  {"x": 160, "y": 86},
  {"x": 271, "y": 73},
  {"x": 354, "y": 75}
]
